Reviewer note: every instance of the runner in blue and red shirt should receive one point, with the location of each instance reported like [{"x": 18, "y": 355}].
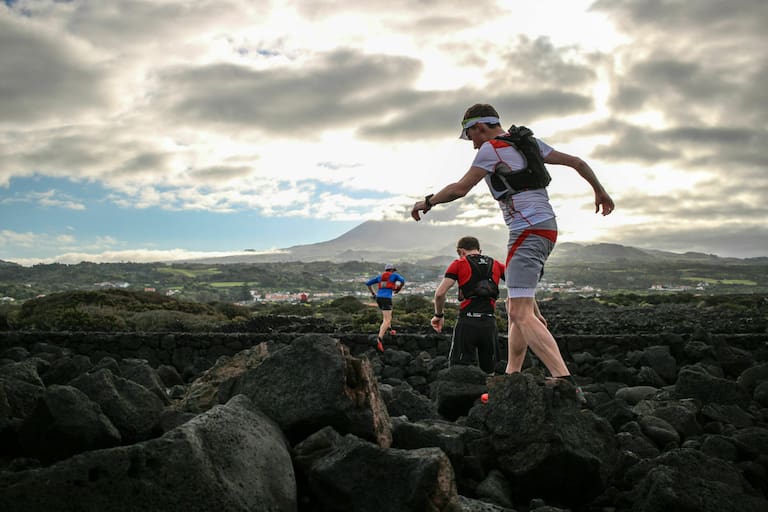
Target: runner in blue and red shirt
[{"x": 389, "y": 283}]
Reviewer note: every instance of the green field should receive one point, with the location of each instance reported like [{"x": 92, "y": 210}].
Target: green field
[
  {"x": 188, "y": 272},
  {"x": 227, "y": 284},
  {"x": 709, "y": 280}
]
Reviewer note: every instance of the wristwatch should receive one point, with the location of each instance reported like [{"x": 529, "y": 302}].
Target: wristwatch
[
  {"x": 439, "y": 315},
  {"x": 427, "y": 203}
]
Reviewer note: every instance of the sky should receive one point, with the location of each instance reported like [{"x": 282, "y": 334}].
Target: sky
[{"x": 148, "y": 130}]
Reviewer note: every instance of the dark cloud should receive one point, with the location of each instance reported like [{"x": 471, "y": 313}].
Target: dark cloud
[
  {"x": 414, "y": 12},
  {"x": 438, "y": 114},
  {"x": 538, "y": 63},
  {"x": 708, "y": 16},
  {"x": 375, "y": 92},
  {"x": 55, "y": 152},
  {"x": 42, "y": 76},
  {"x": 146, "y": 163},
  {"x": 634, "y": 144},
  {"x": 143, "y": 25},
  {"x": 701, "y": 66},
  {"x": 703, "y": 56},
  {"x": 341, "y": 88},
  {"x": 220, "y": 174},
  {"x": 699, "y": 202}
]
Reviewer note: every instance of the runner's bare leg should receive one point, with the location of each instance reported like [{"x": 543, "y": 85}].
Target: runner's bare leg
[{"x": 534, "y": 334}]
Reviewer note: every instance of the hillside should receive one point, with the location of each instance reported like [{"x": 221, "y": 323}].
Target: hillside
[{"x": 426, "y": 243}]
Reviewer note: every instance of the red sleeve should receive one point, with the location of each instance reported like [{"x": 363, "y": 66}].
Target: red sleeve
[
  {"x": 498, "y": 270},
  {"x": 452, "y": 272}
]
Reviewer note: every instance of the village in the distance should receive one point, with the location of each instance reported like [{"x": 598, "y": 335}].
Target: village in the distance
[{"x": 302, "y": 281}]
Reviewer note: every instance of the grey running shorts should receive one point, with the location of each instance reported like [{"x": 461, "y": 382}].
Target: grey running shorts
[{"x": 528, "y": 250}]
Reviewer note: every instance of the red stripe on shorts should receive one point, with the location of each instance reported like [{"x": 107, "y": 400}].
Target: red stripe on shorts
[{"x": 549, "y": 234}]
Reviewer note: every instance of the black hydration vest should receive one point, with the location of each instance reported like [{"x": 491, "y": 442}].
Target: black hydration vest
[
  {"x": 533, "y": 176},
  {"x": 480, "y": 285}
]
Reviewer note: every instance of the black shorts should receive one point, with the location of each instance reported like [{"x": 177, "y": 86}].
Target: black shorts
[
  {"x": 475, "y": 341},
  {"x": 384, "y": 303}
]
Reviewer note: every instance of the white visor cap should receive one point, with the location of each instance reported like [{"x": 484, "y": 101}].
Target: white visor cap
[{"x": 472, "y": 121}]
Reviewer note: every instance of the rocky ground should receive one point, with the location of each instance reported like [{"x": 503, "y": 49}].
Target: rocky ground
[{"x": 676, "y": 419}]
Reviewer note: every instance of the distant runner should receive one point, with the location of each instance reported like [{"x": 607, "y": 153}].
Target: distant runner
[{"x": 389, "y": 283}]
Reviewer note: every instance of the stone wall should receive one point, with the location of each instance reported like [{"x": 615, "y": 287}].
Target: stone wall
[{"x": 183, "y": 350}]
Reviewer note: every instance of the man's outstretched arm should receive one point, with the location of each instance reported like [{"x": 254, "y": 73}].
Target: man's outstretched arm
[
  {"x": 449, "y": 192},
  {"x": 585, "y": 171}
]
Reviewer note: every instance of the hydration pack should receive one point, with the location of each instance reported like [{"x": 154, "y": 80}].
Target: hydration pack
[
  {"x": 384, "y": 282},
  {"x": 534, "y": 175},
  {"x": 481, "y": 284}
]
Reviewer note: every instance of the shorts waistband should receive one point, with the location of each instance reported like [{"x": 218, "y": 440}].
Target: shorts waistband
[{"x": 477, "y": 315}]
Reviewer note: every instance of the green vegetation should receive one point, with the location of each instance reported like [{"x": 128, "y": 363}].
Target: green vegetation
[
  {"x": 138, "y": 311},
  {"x": 321, "y": 280},
  {"x": 118, "y": 310}
]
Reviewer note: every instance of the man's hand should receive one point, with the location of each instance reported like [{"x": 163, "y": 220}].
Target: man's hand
[
  {"x": 420, "y": 206},
  {"x": 437, "y": 324},
  {"x": 603, "y": 199}
]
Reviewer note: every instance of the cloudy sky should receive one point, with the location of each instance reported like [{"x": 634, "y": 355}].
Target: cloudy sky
[{"x": 141, "y": 130}]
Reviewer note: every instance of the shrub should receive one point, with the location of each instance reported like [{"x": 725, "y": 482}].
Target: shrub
[
  {"x": 160, "y": 320},
  {"x": 347, "y": 304}
]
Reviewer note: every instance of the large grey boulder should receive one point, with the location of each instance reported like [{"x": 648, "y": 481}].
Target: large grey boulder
[
  {"x": 64, "y": 423},
  {"x": 231, "y": 458},
  {"x": 753, "y": 377},
  {"x": 140, "y": 372},
  {"x": 132, "y": 408},
  {"x": 660, "y": 358},
  {"x": 457, "y": 389},
  {"x": 403, "y": 400},
  {"x": 351, "y": 474},
  {"x": 65, "y": 369},
  {"x": 312, "y": 383},
  {"x": 696, "y": 382},
  {"x": 686, "y": 479},
  {"x": 681, "y": 414},
  {"x": 207, "y": 391},
  {"x": 546, "y": 445},
  {"x": 22, "y": 387},
  {"x": 453, "y": 439},
  {"x": 495, "y": 489},
  {"x": 20, "y": 390}
]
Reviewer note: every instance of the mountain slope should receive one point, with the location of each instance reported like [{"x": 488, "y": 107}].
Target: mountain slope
[{"x": 427, "y": 243}]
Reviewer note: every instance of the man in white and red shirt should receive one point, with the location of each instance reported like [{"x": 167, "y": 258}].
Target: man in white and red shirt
[{"x": 531, "y": 222}]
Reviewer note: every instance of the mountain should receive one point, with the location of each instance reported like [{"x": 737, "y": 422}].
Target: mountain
[
  {"x": 382, "y": 241},
  {"x": 435, "y": 244}
]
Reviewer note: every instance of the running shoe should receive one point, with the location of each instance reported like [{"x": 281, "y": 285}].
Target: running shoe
[
  {"x": 484, "y": 398},
  {"x": 379, "y": 345}
]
